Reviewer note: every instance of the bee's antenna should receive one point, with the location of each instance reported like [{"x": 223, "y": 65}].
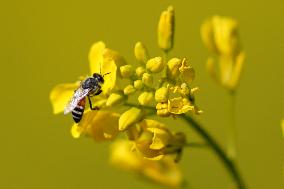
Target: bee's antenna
[{"x": 106, "y": 74}]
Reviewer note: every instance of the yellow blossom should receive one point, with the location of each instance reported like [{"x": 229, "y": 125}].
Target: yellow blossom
[
  {"x": 179, "y": 105},
  {"x": 145, "y": 98},
  {"x": 164, "y": 171},
  {"x": 104, "y": 60},
  {"x": 155, "y": 65},
  {"x": 156, "y": 140},
  {"x": 166, "y": 28},
  {"x": 141, "y": 52},
  {"x": 130, "y": 117},
  {"x": 100, "y": 125}
]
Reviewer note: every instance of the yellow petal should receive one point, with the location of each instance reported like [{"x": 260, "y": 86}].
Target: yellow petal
[
  {"x": 60, "y": 96},
  {"x": 76, "y": 131},
  {"x": 100, "y": 125},
  {"x": 104, "y": 60},
  {"x": 207, "y": 35},
  {"x": 237, "y": 71},
  {"x": 130, "y": 117},
  {"x": 226, "y": 35},
  {"x": 179, "y": 105},
  {"x": 96, "y": 57},
  {"x": 187, "y": 72},
  {"x": 123, "y": 157},
  {"x": 160, "y": 139},
  {"x": 166, "y": 28}
]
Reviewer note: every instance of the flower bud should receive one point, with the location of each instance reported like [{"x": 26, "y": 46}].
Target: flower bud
[
  {"x": 115, "y": 99},
  {"x": 129, "y": 118},
  {"x": 147, "y": 79},
  {"x": 141, "y": 52},
  {"x": 166, "y": 29},
  {"x": 129, "y": 89},
  {"x": 138, "y": 84},
  {"x": 155, "y": 65},
  {"x": 145, "y": 98},
  {"x": 162, "y": 94},
  {"x": 173, "y": 67},
  {"x": 126, "y": 71},
  {"x": 140, "y": 71}
]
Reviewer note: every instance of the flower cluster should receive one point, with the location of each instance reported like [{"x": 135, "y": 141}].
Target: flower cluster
[
  {"x": 220, "y": 35},
  {"x": 132, "y": 93}
]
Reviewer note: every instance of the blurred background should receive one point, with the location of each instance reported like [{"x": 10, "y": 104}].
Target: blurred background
[{"x": 44, "y": 43}]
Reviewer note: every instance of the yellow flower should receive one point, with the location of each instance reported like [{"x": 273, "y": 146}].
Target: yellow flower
[
  {"x": 162, "y": 109},
  {"x": 179, "y": 105},
  {"x": 104, "y": 60},
  {"x": 282, "y": 127},
  {"x": 164, "y": 171},
  {"x": 100, "y": 125},
  {"x": 173, "y": 67},
  {"x": 138, "y": 84},
  {"x": 140, "y": 71},
  {"x": 166, "y": 28},
  {"x": 220, "y": 35},
  {"x": 156, "y": 140}
]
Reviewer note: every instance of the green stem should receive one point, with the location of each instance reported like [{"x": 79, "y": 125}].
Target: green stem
[
  {"x": 231, "y": 129},
  {"x": 229, "y": 164}
]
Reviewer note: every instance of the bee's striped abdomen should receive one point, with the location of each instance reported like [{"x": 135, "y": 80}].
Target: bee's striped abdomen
[{"x": 77, "y": 113}]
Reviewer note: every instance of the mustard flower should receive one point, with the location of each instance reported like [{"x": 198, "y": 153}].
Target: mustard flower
[
  {"x": 165, "y": 171},
  {"x": 157, "y": 140},
  {"x": 220, "y": 35}
]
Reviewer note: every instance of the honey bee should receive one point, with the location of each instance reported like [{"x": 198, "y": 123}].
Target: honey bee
[{"x": 89, "y": 87}]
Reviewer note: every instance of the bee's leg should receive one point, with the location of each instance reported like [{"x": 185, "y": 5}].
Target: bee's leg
[
  {"x": 90, "y": 103},
  {"x": 98, "y": 92}
]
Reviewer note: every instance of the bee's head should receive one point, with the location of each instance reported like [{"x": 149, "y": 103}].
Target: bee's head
[{"x": 98, "y": 77}]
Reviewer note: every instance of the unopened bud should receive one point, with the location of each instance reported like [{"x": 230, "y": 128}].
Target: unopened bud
[{"x": 155, "y": 65}]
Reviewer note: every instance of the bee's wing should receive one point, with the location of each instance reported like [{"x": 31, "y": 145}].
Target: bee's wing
[{"x": 79, "y": 94}]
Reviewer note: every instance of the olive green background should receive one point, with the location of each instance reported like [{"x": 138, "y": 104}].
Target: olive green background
[{"x": 44, "y": 43}]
